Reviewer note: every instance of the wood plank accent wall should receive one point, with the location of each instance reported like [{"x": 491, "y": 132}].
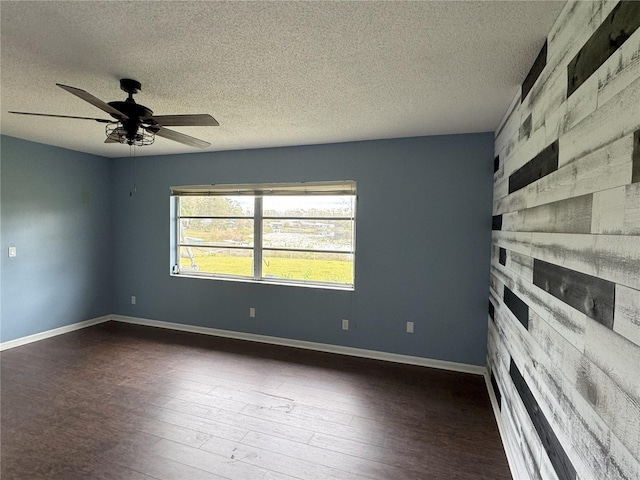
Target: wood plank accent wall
[
  {"x": 535, "y": 72},
  {"x": 564, "y": 308}
]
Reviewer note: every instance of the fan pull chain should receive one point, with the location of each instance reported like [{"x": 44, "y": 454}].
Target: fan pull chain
[{"x": 132, "y": 155}]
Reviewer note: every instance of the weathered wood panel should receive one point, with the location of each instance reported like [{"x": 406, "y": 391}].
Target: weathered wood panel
[
  {"x": 631, "y": 222},
  {"x": 566, "y": 320},
  {"x": 588, "y": 294},
  {"x": 553, "y": 123},
  {"x": 580, "y": 105},
  {"x": 520, "y": 150},
  {"x": 528, "y": 454},
  {"x": 525, "y": 128},
  {"x": 576, "y": 23},
  {"x": 540, "y": 166},
  {"x": 526, "y": 150},
  {"x": 499, "y": 350},
  {"x": 522, "y": 265},
  {"x": 620, "y": 70},
  {"x": 618, "y": 256},
  {"x": 508, "y": 125},
  {"x": 616, "y": 211},
  {"x": 496, "y": 390},
  {"x": 529, "y": 352},
  {"x": 536, "y": 70},
  {"x": 527, "y": 439},
  {"x": 619, "y": 25},
  {"x": 519, "y": 242},
  {"x": 635, "y": 172},
  {"x": 496, "y": 285},
  {"x": 608, "y": 211},
  {"x": 616, "y": 355},
  {"x": 605, "y": 396},
  {"x": 572, "y": 215},
  {"x": 607, "y": 167},
  {"x": 495, "y": 253},
  {"x": 511, "y": 145},
  {"x": 599, "y": 454},
  {"x": 605, "y": 7},
  {"x": 519, "y": 308},
  {"x": 627, "y": 315},
  {"x": 581, "y": 223},
  {"x": 522, "y": 439},
  {"x": 501, "y": 190},
  {"x": 550, "y": 91},
  {"x": 594, "y": 452},
  {"x": 561, "y": 463},
  {"x": 546, "y": 97},
  {"x": 612, "y": 120}
]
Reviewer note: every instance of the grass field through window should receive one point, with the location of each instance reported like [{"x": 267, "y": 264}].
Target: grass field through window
[{"x": 319, "y": 270}]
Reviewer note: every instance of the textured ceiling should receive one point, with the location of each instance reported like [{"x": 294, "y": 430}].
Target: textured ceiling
[{"x": 272, "y": 73}]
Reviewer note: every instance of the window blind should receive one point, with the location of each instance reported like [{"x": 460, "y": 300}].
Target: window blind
[{"x": 343, "y": 187}]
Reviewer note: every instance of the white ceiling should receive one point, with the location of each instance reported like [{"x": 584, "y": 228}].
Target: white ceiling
[{"x": 272, "y": 73}]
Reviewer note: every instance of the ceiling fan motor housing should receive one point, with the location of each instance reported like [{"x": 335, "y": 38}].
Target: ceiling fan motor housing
[
  {"x": 136, "y": 114},
  {"x": 130, "y": 86}
]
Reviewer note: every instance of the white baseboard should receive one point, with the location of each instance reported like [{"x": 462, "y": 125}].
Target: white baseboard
[
  {"x": 321, "y": 347},
  {"x": 515, "y": 465},
  {"x": 52, "y": 333}
]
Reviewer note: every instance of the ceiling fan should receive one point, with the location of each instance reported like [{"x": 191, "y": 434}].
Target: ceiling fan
[{"x": 136, "y": 124}]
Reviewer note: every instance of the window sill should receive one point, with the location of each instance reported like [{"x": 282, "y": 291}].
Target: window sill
[{"x": 283, "y": 283}]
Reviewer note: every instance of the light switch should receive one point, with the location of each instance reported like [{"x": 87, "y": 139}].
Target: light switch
[{"x": 13, "y": 252}]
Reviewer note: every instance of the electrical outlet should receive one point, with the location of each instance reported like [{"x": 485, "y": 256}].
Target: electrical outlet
[
  {"x": 345, "y": 324},
  {"x": 133, "y": 299},
  {"x": 252, "y": 312},
  {"x": 409, "y": 327}
]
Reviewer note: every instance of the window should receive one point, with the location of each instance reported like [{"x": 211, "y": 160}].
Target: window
[{"x": 300, "y": 233}]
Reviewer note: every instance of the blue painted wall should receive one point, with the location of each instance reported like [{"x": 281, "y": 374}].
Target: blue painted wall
[
  {"x": 56, "y": 210},
  {"x": 423, "y": 235},
  {"x": 422, "y": 255}
]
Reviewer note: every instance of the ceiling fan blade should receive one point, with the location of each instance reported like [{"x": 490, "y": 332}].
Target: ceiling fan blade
[
  {"x": 196, "y": 120},
  {"x": 111, "y": 140},
  {"x": 178, "y": 137},
  {"x": 95, "y": 101},
  {"x": 101, "y": 120}
]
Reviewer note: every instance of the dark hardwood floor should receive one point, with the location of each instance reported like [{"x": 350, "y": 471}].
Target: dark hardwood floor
[{"x": 125, "y": 402}]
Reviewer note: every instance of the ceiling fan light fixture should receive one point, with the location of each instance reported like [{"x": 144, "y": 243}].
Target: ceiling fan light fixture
[
  {"x": 116, "y": 133},
  {"x": 135, "y": 124}
]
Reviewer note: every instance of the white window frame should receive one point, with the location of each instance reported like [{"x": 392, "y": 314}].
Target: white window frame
[{"x": 258, "y": 191}]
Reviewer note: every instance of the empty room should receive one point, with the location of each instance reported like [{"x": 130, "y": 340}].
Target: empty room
[{"x": 320, "y": 240}]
